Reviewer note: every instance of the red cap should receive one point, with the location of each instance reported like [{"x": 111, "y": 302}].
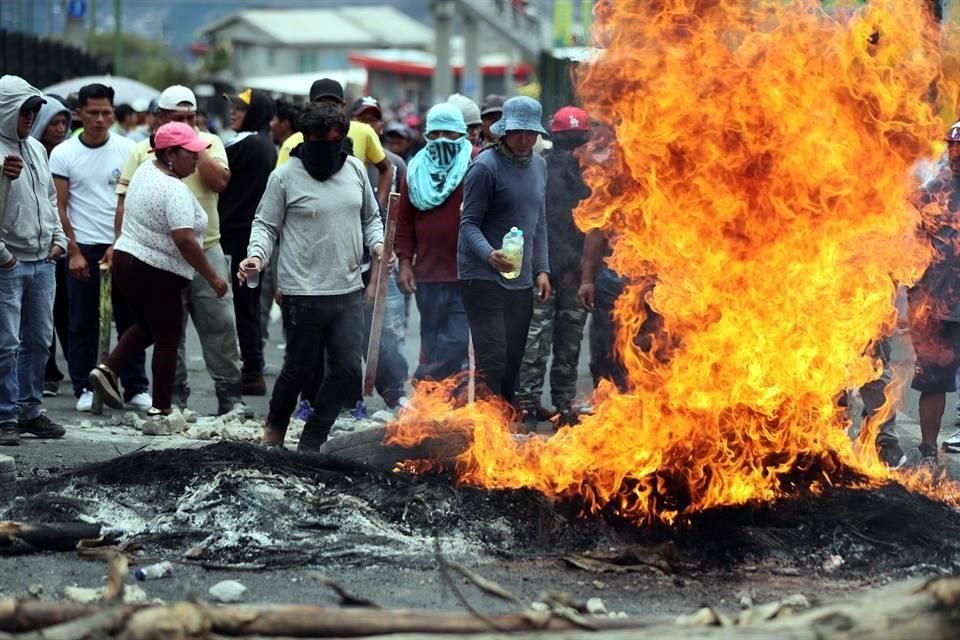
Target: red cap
[
  {"x": 570, "y": 119},
  {"x": 178, "y": 134}
]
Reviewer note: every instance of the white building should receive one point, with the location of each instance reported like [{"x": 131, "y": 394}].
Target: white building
[{"x": 268, "y": 42}]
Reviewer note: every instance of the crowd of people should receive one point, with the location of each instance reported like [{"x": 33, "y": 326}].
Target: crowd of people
[{"x": 291, "y": 210}]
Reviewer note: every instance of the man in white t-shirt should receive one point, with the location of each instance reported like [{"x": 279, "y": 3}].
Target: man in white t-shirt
[
  {"x": 85, "y": 170},
  {"x": 213, "y": 316}
]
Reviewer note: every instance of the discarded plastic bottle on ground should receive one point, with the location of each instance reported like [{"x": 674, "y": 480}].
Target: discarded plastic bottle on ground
[
  {"x": 154, "y": 571},
  {"x": 513, "y": 248}
]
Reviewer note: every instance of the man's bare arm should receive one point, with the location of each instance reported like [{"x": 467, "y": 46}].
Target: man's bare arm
[{"x": 214, "y": 175}]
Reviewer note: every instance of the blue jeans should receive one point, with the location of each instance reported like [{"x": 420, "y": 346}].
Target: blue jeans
[
  {"x": 604, "y": 360},
  {"x": 84, "y": 301},
  {"x": 392, "y": 365},
  {"x": 26, "y": 329},
  {"x": 444, "y": 330}
]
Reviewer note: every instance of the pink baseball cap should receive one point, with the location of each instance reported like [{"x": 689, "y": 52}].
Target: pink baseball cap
[{"x": 178, "y": 134}]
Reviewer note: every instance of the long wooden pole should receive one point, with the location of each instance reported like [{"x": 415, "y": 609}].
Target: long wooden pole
[
  {"x": 380, "y": 296},
  {"x": 922, "y": 608},
  {"x": 106, "y": 326}
]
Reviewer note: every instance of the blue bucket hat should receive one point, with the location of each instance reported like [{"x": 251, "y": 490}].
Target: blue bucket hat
[
  {"x": 520, "y": 114},
  {"x": 445, "y": 117}
]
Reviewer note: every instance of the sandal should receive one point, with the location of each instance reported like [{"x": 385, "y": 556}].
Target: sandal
[
  {"x": 104, "y": 381},
  {"x": 153, "y": 412}
]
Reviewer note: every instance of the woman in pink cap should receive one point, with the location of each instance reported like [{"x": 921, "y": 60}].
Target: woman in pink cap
[{"x": 155, "y": 257}]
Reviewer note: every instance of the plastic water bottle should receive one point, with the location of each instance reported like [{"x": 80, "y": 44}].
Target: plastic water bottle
[
  {"x": 154, "y": 571},
  {"x": 513, "y": 248}
]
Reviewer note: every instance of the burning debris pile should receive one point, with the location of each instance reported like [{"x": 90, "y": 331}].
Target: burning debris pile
[
  {"x": 758, "y": 200},
  {"x": 235, "y": 505}
]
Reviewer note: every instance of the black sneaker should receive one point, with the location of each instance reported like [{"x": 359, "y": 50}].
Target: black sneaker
[
  {"x": 51, "y": 389},
  {"x": 529, "y": 417},
  {"x": 928, "y": 456},
  {"x": 9, "y": 434},
  {"x": 890, "y": 453},
  {"x": 104, "y": 381},
  {"x": 42, "y": 427}
]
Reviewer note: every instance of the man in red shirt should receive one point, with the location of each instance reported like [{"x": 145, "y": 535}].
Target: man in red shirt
[{"x": 428, "y": 226}]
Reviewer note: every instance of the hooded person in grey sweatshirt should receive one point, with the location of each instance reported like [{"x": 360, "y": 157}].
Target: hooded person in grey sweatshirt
[
  {"x": 31, "y": 239},
  {"x": 50, "y": 109},
  {"x": 50, "y": 129}
]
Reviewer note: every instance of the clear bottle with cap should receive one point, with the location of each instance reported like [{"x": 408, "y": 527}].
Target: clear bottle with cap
[
  {"x": 154, "y": 571},
  {"x": 513, "y": 249}
]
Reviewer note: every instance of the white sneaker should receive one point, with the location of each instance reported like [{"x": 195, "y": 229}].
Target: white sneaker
[
  {"x": 85, "y": 401},
  {"x": 141, "y": 402},
  {"x": 951, "y": 444}
]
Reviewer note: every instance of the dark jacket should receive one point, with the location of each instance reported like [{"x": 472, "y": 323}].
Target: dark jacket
[
  {"x": 252, "y": 156},
  {"x": 565, "y": 190},
  {"x": 940, "y": 284}
]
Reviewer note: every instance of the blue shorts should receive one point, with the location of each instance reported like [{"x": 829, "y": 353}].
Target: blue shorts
[{"x": 937, "y": 345}]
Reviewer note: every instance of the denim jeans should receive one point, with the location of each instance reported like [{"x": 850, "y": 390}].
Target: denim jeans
[
  {"x": 216, "y": 327},
  {"x": 392, "y": 365},
  {"x": 873, "y": 395},
  {"x": 84, "y": 300},
  {"x": 444, "y": 330},
  {"x": 605, "y": 363},
  {"x": 26, "y": 329},
  {"x": 319, "y": 328},
  {"x": 499, "y": 321}
]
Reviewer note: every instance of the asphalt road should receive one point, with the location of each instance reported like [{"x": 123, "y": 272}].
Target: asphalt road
[{"x": 391, "y": 586}]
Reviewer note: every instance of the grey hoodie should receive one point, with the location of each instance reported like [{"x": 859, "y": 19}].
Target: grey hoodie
[
  {"x": 51, "y": 108},
  {"x": 29, "y": 222}
]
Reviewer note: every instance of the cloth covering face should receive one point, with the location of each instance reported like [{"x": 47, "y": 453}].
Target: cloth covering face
[{"x": 437, "y": 170}]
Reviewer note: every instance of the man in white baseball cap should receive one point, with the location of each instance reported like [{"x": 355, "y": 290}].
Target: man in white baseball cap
[{"x": 213, "y": 317}]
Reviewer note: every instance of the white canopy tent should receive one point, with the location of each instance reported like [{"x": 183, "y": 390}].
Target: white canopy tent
[
  {"x": 298, "y": 84},
  {"x": 126, "y": 90}
]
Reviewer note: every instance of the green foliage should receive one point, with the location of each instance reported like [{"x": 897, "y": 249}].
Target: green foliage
[{"x": 145, "y": 60}]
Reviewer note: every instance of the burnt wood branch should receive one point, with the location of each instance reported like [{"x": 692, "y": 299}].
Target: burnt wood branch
[
  {"x": 369, "y": 450},
  {"x": 926, "y": 608},
  {"x": 21, "y": 537}
]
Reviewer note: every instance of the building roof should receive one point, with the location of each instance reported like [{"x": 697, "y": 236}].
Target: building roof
[
  {"x": 368, "y": 27},
  {"x": 420, "y": 63}
]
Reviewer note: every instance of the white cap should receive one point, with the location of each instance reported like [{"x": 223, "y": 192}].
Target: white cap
[{"x": 172, "y": 97}]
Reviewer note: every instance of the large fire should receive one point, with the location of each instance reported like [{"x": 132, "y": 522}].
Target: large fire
[{"x": 763, "y": 173}]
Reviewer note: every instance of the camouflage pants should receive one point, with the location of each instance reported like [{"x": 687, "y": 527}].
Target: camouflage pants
[
  {"x": 873, "y": 396},
  {"x": 557, "y": 327}
]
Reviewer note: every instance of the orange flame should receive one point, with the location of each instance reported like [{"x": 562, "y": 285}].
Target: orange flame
[{"x": 762, "y": 176}]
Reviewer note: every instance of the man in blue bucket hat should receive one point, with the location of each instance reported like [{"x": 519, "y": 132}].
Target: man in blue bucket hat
[{"x": 505, "y": 188}]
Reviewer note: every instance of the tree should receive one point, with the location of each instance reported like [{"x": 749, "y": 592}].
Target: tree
[{"x": 148, "y": 61}]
